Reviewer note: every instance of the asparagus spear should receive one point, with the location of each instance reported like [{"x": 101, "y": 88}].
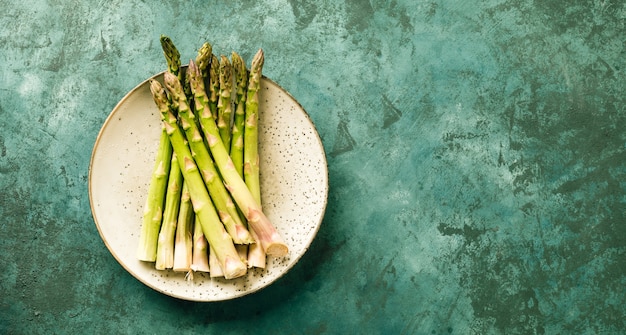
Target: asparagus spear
[
  {"x": 236, "y": 141},
  {"x": 213, "y": 230},
  {"x": 254, "y": 252},
  {"x": 153, "y": 208},
  {"x": 200, "y": 252},
  {"x": 270, "y": 239},
  {"x": 251, "y": 133},
  {"x": 221, "y": 198},
  {"x": 256, "y": 255},
  {"x": 165, "y": 245},
  {"x": 224, "y": 108},
  {"x": 240, "y": 74},
  {"x": 201, "y": 247},
  {"x": 183, "y": 245}
]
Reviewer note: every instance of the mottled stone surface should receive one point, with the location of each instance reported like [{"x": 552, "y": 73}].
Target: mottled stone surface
[{"x": 476, "y": 155}]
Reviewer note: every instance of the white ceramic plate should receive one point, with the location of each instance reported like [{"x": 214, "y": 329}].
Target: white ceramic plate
[{"x": 294, "y": 181}]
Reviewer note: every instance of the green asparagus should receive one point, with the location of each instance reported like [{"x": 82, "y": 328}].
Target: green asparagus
[
  {"x": 236, "y": 140},
  {"x": 207, "y": 216},
  {"x": 224, "y": 108},
  {"x": 256, "y": 256},
  {"x": 153, "y": 208},
  {"x": 269, "y": 238},
  {"x": 254, "y": 252},
  {"x": 251, "y": 132},
  {"x": 218, "y": 192},
  {"x": 165, "y": 245}
]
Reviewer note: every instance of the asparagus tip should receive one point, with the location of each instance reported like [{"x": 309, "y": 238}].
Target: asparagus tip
[
  {"x": 173, "y": 84},
  {"x": 154, "y": 86},
  {"x": 258, "y": 59},
  {"x": 158, "y": 93},
  {"x": 193, "y": 72}
]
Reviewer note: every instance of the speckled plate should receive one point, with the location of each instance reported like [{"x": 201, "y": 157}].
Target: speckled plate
[{"x": 294, "y": 181}]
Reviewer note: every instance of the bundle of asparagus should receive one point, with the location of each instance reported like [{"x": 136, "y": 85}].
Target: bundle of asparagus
[{"x": 203, "y": 211}]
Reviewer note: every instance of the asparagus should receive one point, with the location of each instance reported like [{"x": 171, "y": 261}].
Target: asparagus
[
  {"x": 224, "y": 108},
  {"x": 240, "y": 74},
  {"x": 218, "y": 192},
  {"x": 165, "y": 244},
  {"x": 251, "y": 137},
  {"x": 254, "y": 252},
  {"x": 236, "y": 141},
  {"x": 182, "y": 252},
  {"x": 200, "y": 252},
  {"x": 256, "y": 256},
  {"x": 153, "y": 208},
  {"x": 183, "y": 245},
  {"x": 269, "y": 238},
  {"x": 207, "y": 216}
]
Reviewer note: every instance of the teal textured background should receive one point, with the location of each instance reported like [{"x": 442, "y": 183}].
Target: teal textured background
[{"x": 476, "y": 151}]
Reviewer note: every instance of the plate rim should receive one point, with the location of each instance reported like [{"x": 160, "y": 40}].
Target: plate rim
[{"x": 239, "y": 294}]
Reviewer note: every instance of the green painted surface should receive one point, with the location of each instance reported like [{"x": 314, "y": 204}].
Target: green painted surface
[{"x": 476, "y": 158}]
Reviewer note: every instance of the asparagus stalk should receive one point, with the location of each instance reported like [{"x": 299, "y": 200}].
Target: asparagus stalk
[
  {"x": 200, "y": 252},
  {"x": 153, "y": 208},
  {"x": 236, "y": 141},
  {"x": 212, "y": 228},
  {"x": 256, "y": 255},
  {"x": 183, "y": 245},
  {"x": 270, "y": 239},
  {"x": 254, "y": 252},
  {"x": 251, "y": 132},
  {"x": 240, "y": 74},
  {"x": 224, "y": 108},
  {"x": 218, "y": 192},
  {"x": 165, "y": 245}
]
